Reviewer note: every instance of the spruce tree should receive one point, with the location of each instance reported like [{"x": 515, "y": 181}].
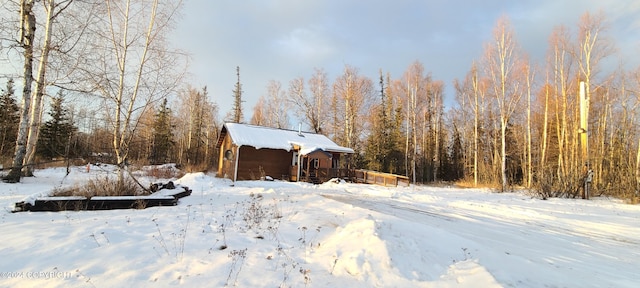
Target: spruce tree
[
  {"x": 376, "y": 149},
  {"x": 56, "y": 133},
  {"x": 456, "y": 163},
  {"x": 9, "y": 119},
  {"x": 237, "y": 102},
  {"x": 162, "y": 135},
  {"x": 384, "y": 146}
]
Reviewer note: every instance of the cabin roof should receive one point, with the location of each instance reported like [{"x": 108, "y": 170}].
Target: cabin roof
[{"x": 266, "y": 137}]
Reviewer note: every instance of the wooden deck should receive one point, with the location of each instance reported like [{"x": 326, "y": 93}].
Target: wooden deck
[
  {"x": 380, "y": 178},
  {"x": 357, "y": 176}
]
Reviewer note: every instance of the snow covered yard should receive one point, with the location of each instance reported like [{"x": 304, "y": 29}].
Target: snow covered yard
[{"x": 281, "y": 234}]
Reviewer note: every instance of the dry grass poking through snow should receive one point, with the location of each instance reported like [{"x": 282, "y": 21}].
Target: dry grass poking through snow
[
  {"x": 105, "y": 186},
  {"x": 163, "y": 172},
  {"x": 110, "y": 186}
]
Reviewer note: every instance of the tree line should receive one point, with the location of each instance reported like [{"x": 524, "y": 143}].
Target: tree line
[
  {"x": 514, "y": 122},
  {"x": 113, "y": 53}
]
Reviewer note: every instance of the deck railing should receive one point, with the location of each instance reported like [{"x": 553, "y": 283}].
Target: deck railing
[
  {"x": 380, "y": 178},
  {"x": 356, "y": 175}
]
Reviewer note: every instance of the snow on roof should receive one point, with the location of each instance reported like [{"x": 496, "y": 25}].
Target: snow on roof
[{"x": 266, "y": 137}]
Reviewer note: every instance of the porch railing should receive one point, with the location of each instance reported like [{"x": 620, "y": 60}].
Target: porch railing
[{"x": 356, "y": 175}]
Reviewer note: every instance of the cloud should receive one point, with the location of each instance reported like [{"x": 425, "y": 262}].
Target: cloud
[
  {"x": 285, "y": 39},
  {"x": 305, "y": 44}
]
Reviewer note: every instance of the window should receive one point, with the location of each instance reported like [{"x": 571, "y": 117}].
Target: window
[{"x": 228, "y": 155}]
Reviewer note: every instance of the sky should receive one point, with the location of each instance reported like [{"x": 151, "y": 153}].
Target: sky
[{"x": 285, "y": 39}]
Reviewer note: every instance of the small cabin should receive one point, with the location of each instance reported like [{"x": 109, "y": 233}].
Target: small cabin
[{"x": 249, "y": 152}]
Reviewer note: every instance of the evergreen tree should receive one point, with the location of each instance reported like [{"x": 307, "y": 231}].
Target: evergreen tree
[
  {"x": 237, "y": 102},
  {"x": 9, "y": 119},
  {"x": 376, "y": 150},
  {"x": 162, "y": 135},
  {"x": 454, "y": 167},
  {"x": 198, "y": 128},
  {"x": 56, "y": 133},
  {"x": 396, "y": 136},
  {"x": 383, "y": 150}
]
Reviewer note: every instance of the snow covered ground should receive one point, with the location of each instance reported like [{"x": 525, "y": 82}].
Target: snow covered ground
[{"x": 281, "y": 234}]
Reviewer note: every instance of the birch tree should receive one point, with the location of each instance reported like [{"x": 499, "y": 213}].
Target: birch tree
[
  {"x": 26, "y": 38},
  {"x": 468, "y": 95},
  {"x": 478, "y": 93},
  {"x": 529, "y": 75},
  {"x": 52, "y": 11},
  {"x": 636, "y": 107},
  {"x": 592, "y": 48},
  {"x": 196, "y": 125},
  {"x": 134, "y": 66},
  {"x": 562, "y": 68},
  {"x": 501, "y": 61},
  {"x": 259, "y": 116},
  {"x": 544, "y": 142},
  {"x": 311, "y": 106},
  {"x": 352, "y": 94},
  {"x": 319, "y": 88},
  {"x": 277, "y": 106},
  {"x": 271, "y": 110},
  {"x": 415, "y": 94}
]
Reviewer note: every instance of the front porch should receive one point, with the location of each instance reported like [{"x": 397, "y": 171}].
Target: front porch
[{"x": 320, "y": 175}]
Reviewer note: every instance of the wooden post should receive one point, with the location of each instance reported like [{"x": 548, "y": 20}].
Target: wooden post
[
  {"x": 584, "y": 139},
  {"x": 235, "y": 170}
]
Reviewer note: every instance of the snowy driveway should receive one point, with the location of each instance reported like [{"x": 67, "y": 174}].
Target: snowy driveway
[{"x": 530, "y": 242}]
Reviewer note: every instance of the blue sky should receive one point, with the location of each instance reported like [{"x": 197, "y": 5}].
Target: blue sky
[{"x": 284, "y": 39}]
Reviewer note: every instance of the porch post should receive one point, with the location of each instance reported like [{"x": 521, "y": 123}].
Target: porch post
[
  {"x": 299, "y": 165},
  {"x": 235, "y": 171}
]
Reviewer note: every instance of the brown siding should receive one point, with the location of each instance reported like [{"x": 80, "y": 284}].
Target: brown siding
[
  {"x": 324, "y": 163},
  {"x": 274, "y": 162}
]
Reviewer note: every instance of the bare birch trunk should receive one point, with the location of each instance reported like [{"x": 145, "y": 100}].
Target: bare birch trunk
[
  {"x": 406, "y": 147},
  {"x": 529, "y": 150},
  {"x": 503, "y": 152},
  {"x": 638, "y": 166},
  {"x": 36, "y": 105},
  {"x": 27, "y": 34},
  {"x": 475, "y": 127},
  {"x": 123, "y": 121},
  {"x": 543, "y": 152},
  {"x": 437, "y": 159}
]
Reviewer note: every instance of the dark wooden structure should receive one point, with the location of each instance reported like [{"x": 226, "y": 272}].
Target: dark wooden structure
[
  {"x": 249, "y": 152},
  {"x": 77, "y": 203}
]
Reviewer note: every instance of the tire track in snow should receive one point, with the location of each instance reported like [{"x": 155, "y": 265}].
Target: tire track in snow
[
  {"x": 398, "y": 209},
  {"x": 544, "y": 245}
]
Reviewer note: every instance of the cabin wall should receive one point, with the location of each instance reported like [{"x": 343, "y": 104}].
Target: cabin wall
[
  {"x": 272, "y": 162},
  {"x": 226, "y": 167},
  {"x": 324, "y": 163}
]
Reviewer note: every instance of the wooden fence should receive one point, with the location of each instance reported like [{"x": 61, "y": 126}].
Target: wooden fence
[
  {"x": 380, "y": 178},
  {"x": 354, "y": 175}
]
